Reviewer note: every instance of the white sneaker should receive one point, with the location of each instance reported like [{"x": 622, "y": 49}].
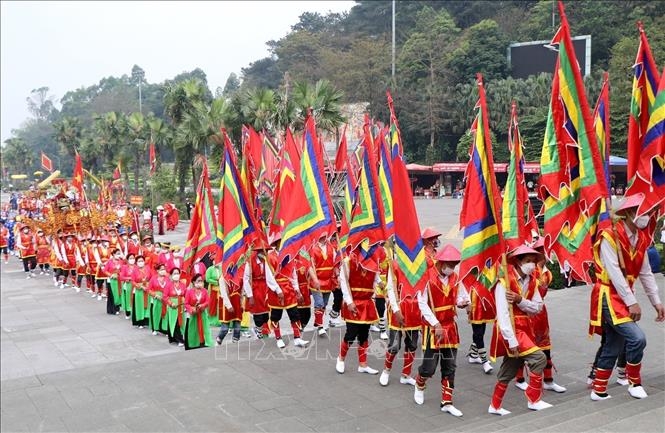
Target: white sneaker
[
  {"x": 500, "y": 411},
  {"x": 475, "y": 360},
  {"x": 32, "y": 274},
  {"x": 117, "y": 313},
  {"x": 55, "y": 283},
  {"x": 93, "y": 294},
  {"x": 374, "y": 328},
  {"x": 140, "y": 326},
  {"x": 539, "y": 405},
  {"x": 181, "y": 344},
  {"x": 78, "y": 289},
  {"x": 522, "y": 385},
  {"x": 280, "y": 343},
  {"x": 126, "y": 317},
  {"x": 637, "y": 391},
  {"x": 299, "y": 342},
  {"x": 384, "y": 335},
  {"x": 553, "y": 386},
  {"x": 339, "y": 366},
  {"x": 368, "y": 370},
  {"x": 596, "y": 397},
  {"x": 335, "y": 323},
  {"x": 41, "y": 272},
  {"x": 418, "y": 395},
  {"x": 451, "y": 410},
  {"x": 322, "y": 332},
  {"x": 99, "y": 297},
  {"x": 622, "y": 381},
  {"x": 407, "y": 380},
  {"x": 154, "y": 332},
  {"x": 487, "y": 367},
  {"x": 384, "y": 378},
  {"x": 62, "y": 286},
  {"x": 27, "y": 277}
]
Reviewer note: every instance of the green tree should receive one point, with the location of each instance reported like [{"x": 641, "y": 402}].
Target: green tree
[
  {"x": 68, "y": 134},
  {"x": 18, "y": 157},
  {"x": 232, "y": 85}
]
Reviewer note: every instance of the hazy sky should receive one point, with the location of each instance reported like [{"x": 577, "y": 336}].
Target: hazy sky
[{"x": 68, "y": 45}]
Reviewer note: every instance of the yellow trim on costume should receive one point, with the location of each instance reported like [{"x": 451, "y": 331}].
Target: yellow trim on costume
[
  {"x": 530, "y": 351},
  {"x": 361, "y": 289}
]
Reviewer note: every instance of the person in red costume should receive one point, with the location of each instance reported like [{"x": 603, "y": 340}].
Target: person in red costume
[
  {"x": 28, "y": 250},
  {"x": 197, "y": 329},
  {"x": 517, "y": 301},
  {"x": 359, "y": 275},
  {"x": 437, "y": 305},
  {"x": 621, "y": 257},
  {"x": 541, "y": 326}
]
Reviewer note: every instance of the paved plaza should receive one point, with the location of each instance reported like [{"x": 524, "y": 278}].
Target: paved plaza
[{"x": 68, "y": 366}]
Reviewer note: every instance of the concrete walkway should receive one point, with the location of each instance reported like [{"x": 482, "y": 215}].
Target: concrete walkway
[{"x": 67, "y": 366}]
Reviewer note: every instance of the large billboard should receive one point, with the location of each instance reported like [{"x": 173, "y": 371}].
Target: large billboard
[{"x": 532, "y": 58}]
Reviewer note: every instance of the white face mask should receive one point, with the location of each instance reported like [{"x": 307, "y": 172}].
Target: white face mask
[
  {"x": 131, "y": 261},
  {"x": 162, "y": 272},
  {"x": 141, "y": 264},
  {"x": 198, "y": 284},
  {"x": 134, "y": 238},
  {"x": 117, "y": 256},
  {"x": 641, "y": 221},
  {"x": 447, "y": 271},
  {"x": 528, "y": 268},
  {"x": 175, "y": 277}
]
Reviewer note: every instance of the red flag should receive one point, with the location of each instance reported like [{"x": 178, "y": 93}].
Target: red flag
[
  {"x": 342, "y": 153},
  {"x": 46, "y": 162},
  {"x": 77, "y": 178},
  {"x": 117, "y": 172},
  {"x": 153, "y": 158},
  {"x": 202, "y": 237}
]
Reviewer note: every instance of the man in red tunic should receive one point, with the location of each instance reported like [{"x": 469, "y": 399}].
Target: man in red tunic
[
  {"x": 256, "y": 280},
  {"x": 517, "y": 300},
  {"x": 359, "y": 275},
  {"x": 621, "y": 258},
  {"x": 324, "y": 260},
  {"x": 437, "y": 304},
  {"x": 28, "y": 248}
]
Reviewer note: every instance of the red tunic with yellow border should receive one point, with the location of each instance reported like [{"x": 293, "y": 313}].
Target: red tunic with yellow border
[
  {"x": 104, "y": 256},
  {"x": 71, "y": 251},
  {"x": 91, "y": 269},
  {"x": 282, "y": 277},
  {"x": 302, "y": 267},
  {"x": 522, "y": 323},
  {"x": 541, "y": 323},
  {"x": 442, "y": 300},
  {"x": 28, "y": 244},
  {"x": 408, "y": 306},
  {"x": 234, "y": 291},
  {"x": 323, "y": 260},
  {"x": 43, "y": 250},
  {"x": 259, "y": 286},
  {"x": 384, "y": 264},
  {"x": 483, "y": 307},
  {"x": 633, "y": 259},
  {"x": 361, "y": 284}
]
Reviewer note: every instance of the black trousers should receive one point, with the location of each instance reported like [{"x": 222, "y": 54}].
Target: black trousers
[
  {"x": 478, "y": 330},
  {"x": 410, "y": 340},
  {"x": 276, "y": 314},
  {"x": 305, "y": 313},
  {"x": 446, "y": 357},
  {"x": 359, "y": 331},
  {"x": 29, "y": 264},
  {"x": 337, "y": 300},
  {"x": 260, "y": 319}
]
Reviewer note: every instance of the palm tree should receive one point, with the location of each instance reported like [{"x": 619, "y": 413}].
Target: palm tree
[
  {"x": 68, "y": 134},
  {"x": 325, "y": 102},
  {"x": 136, "y": 144},
  {"x": 259, "y": 108},
  {"x": 17, "y": 156}
]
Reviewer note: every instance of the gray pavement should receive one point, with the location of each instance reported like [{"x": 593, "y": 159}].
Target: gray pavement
[{"x": 67, "y": 366}]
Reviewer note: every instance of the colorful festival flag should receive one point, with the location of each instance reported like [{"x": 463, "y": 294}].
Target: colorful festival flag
[
  {"x": 518, "y": 221},
  {"x": 409, "y": 248},
  {"x": 237, "y": 229},
  {"x": 308, "y": 212},
  {"x": 572, "y": 177},
  {"x": 153, "y": 158},
  {"x": 601, "y": 126},
  {"x": 650, "y": 175},
  {"x": 117, "y": 173},
  {"x": 483, "y": 244},
  {"x": 46, "y": 163},
  {"x": 367, "y": 223},
  {"x": 645, "y": 85},
  {"x": 386, "y": 182},
  {"x": 202, "y": 237},
  {"x": 342, "y": 153}
]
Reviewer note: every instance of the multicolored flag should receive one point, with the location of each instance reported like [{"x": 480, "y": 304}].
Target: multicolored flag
[
  {"x": 269, "y": 164},
  {"x": 289, "y": 158},
  {"x": 645, "y": 85},
  {"x": 601, "y": 125},
  {"x": 368, "y": 223},
  {"x": 202, "y": 236},
  {"x": 308, "y": 213},
  {"x": 396, "y": 147},
  {"x": 409, "y": 248},
  {"x": 237, "y": 229},
  {"x": 46, "y": 163},
  {"x": 117, "y": 173},
  {"x": 480, "y": 219},
  {"x": 518, "y": 220},
  {"x": 650, "y": 175},
  {"x": 153, "y": 158},
  {"x": 572, "y": 178},
  {"x": 386, "y": 181}
]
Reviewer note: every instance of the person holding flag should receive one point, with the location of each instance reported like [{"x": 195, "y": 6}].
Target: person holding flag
[
  {"x": 517, "y": 301},
  {"x": 620, "y": 253},
  {"x": 440, "y": 336}
]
